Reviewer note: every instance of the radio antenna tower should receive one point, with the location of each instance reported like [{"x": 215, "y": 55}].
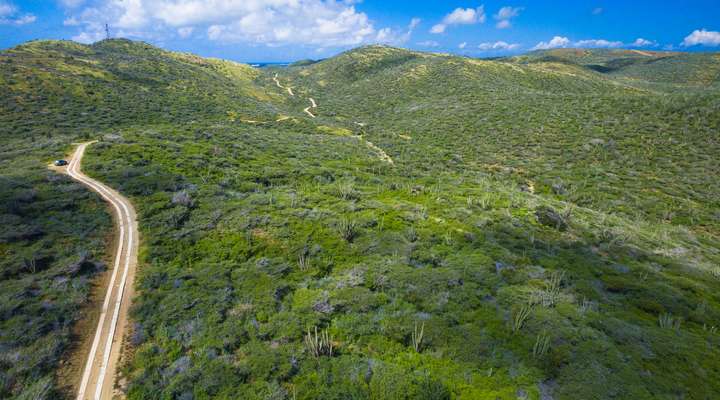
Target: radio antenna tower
[{"x": 107, "y": 31}]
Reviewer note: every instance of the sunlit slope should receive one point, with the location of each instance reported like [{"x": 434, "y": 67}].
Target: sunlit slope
[{"x": 66, "y": 86}]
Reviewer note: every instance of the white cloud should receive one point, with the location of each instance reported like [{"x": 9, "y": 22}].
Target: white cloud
[
  {"x": 465, "y": 16},
  {"x": 563, "y": 42},
  {"x": 462, "y": 45},
  {"x": 498, "y": 46},
  {"x": 505, "y": 15},
  {"x": 503, "y": 24},
  {"x": 185, "y": 32},
  {"x": 10, "y": 15},
  {"x": 392, "y": 37},
  {"x": 461, "y": 16},
  {"x": 7, "y": 9},
  {"x": 86, "y": 37},
  {"x": 414, "y": 23},
  {"x": 72, "y": 21},
  {"x": 702, "y": 37},
  {"x": 25, "y": 19},
  {"x": 71, "y": 3},
  {"x": 429, "y": 43},
  {"x": 384, "y": 35},
  {"x": 640, "y": 42},
  {"x": 324, "y": 23},
  {"x": 508, "y": 12},
  {"x": 597, "y": 43},
  {"x": 557, "y": 41},
  {"x": 439, "y": 28}
]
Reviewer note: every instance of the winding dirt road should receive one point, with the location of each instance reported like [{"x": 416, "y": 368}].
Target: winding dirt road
[
  {"x": 312, "y": 105},
  {"x": 277, "y": 82},
  {"x": 98, "y": 377}
]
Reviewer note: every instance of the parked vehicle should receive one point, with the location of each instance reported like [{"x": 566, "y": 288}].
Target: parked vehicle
[{"x": 60, "y": 163}]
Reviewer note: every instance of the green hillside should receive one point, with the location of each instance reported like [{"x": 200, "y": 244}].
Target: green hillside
[
  {"x": 446, "y": 228},
  {"x": 77, "y": 87},
  {"x": 639, "y": 66}
]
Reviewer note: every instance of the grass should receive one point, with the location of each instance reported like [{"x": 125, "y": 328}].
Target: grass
[
  {"x": 417, "y": 337},
  {"x": 319, "y": 344},
  {"x": 286, "y": 259},
  {"x": 667, "y": 321},
  {"x": 521, "y": 316},
  {"x": 542, "y": 345}
]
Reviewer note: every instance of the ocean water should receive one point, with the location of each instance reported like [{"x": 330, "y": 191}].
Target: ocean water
[{"x": 268, "y": 64}]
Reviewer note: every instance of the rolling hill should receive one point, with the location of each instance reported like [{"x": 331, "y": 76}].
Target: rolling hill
[
  {"x": 548, "y": 227},
  {"x": 656, "y": 67}
]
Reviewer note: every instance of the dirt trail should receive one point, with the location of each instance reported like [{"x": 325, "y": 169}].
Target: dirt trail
[
  {"x": 277, "y": 82},
  {"x": 380, "y": 152},
  {"x": 312, "y": 105},
  {"x": 643, "y": 53},
  {"x": 98, "y": 379}
]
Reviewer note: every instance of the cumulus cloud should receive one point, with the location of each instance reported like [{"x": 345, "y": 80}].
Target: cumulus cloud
[
  {"x": 71, "y": 3},
  {"x": 439, "y": 28},
  {"x": 185, "y": 32},
  {"x": 429, "y": 43},
  {"x": 462, "y": 45},
  {"x": 503, "y": 24},
  {"x": 326, "y": 23},
  {"x": 461, "y": 16},
  {"x": 10, "y": 15},
  {"x": 504, "y": 16},
  {"x": 88, "y": 37},
  {"x": 640, "y": 42},
  {"x": 396, "y": 38},
  {"x": 597, "y": 43},
  {"x": 25, "y": 19},
  {"x": 563, "y": 42},
  {"x": 6, "y": 9},
  {"x": 72, "y": 21},
  {"x": 556, "y": 42},
  {"x": 414, "y": 23},
  {"x": 498, "y": 46},
  {"x": 702, "y": 37}
]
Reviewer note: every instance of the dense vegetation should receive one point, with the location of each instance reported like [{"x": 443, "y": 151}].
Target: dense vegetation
[{"x": 543, "y": 227}]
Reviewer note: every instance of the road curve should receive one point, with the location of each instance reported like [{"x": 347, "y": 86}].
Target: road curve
[
  {"x": 277, "y": 82},
  {"x": 98, "y": 379},
  {"x": 312, "y": 105}
]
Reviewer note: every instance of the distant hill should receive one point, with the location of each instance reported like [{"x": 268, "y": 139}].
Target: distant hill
[
  {"x": 695, "y": 69},
  {"x": 303, "y": 63}
]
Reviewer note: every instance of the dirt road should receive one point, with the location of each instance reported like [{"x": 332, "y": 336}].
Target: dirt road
[
  {"x": 312, "y": 105},
  {"x": 98, "y": 377},
  {"x": 277, "y": 82}
]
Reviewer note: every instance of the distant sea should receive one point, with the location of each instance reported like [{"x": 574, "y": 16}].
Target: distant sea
[{"x": 268, "y": 64}]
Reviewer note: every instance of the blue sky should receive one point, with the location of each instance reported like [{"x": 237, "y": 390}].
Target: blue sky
[{"x": 286, "y": 30}]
